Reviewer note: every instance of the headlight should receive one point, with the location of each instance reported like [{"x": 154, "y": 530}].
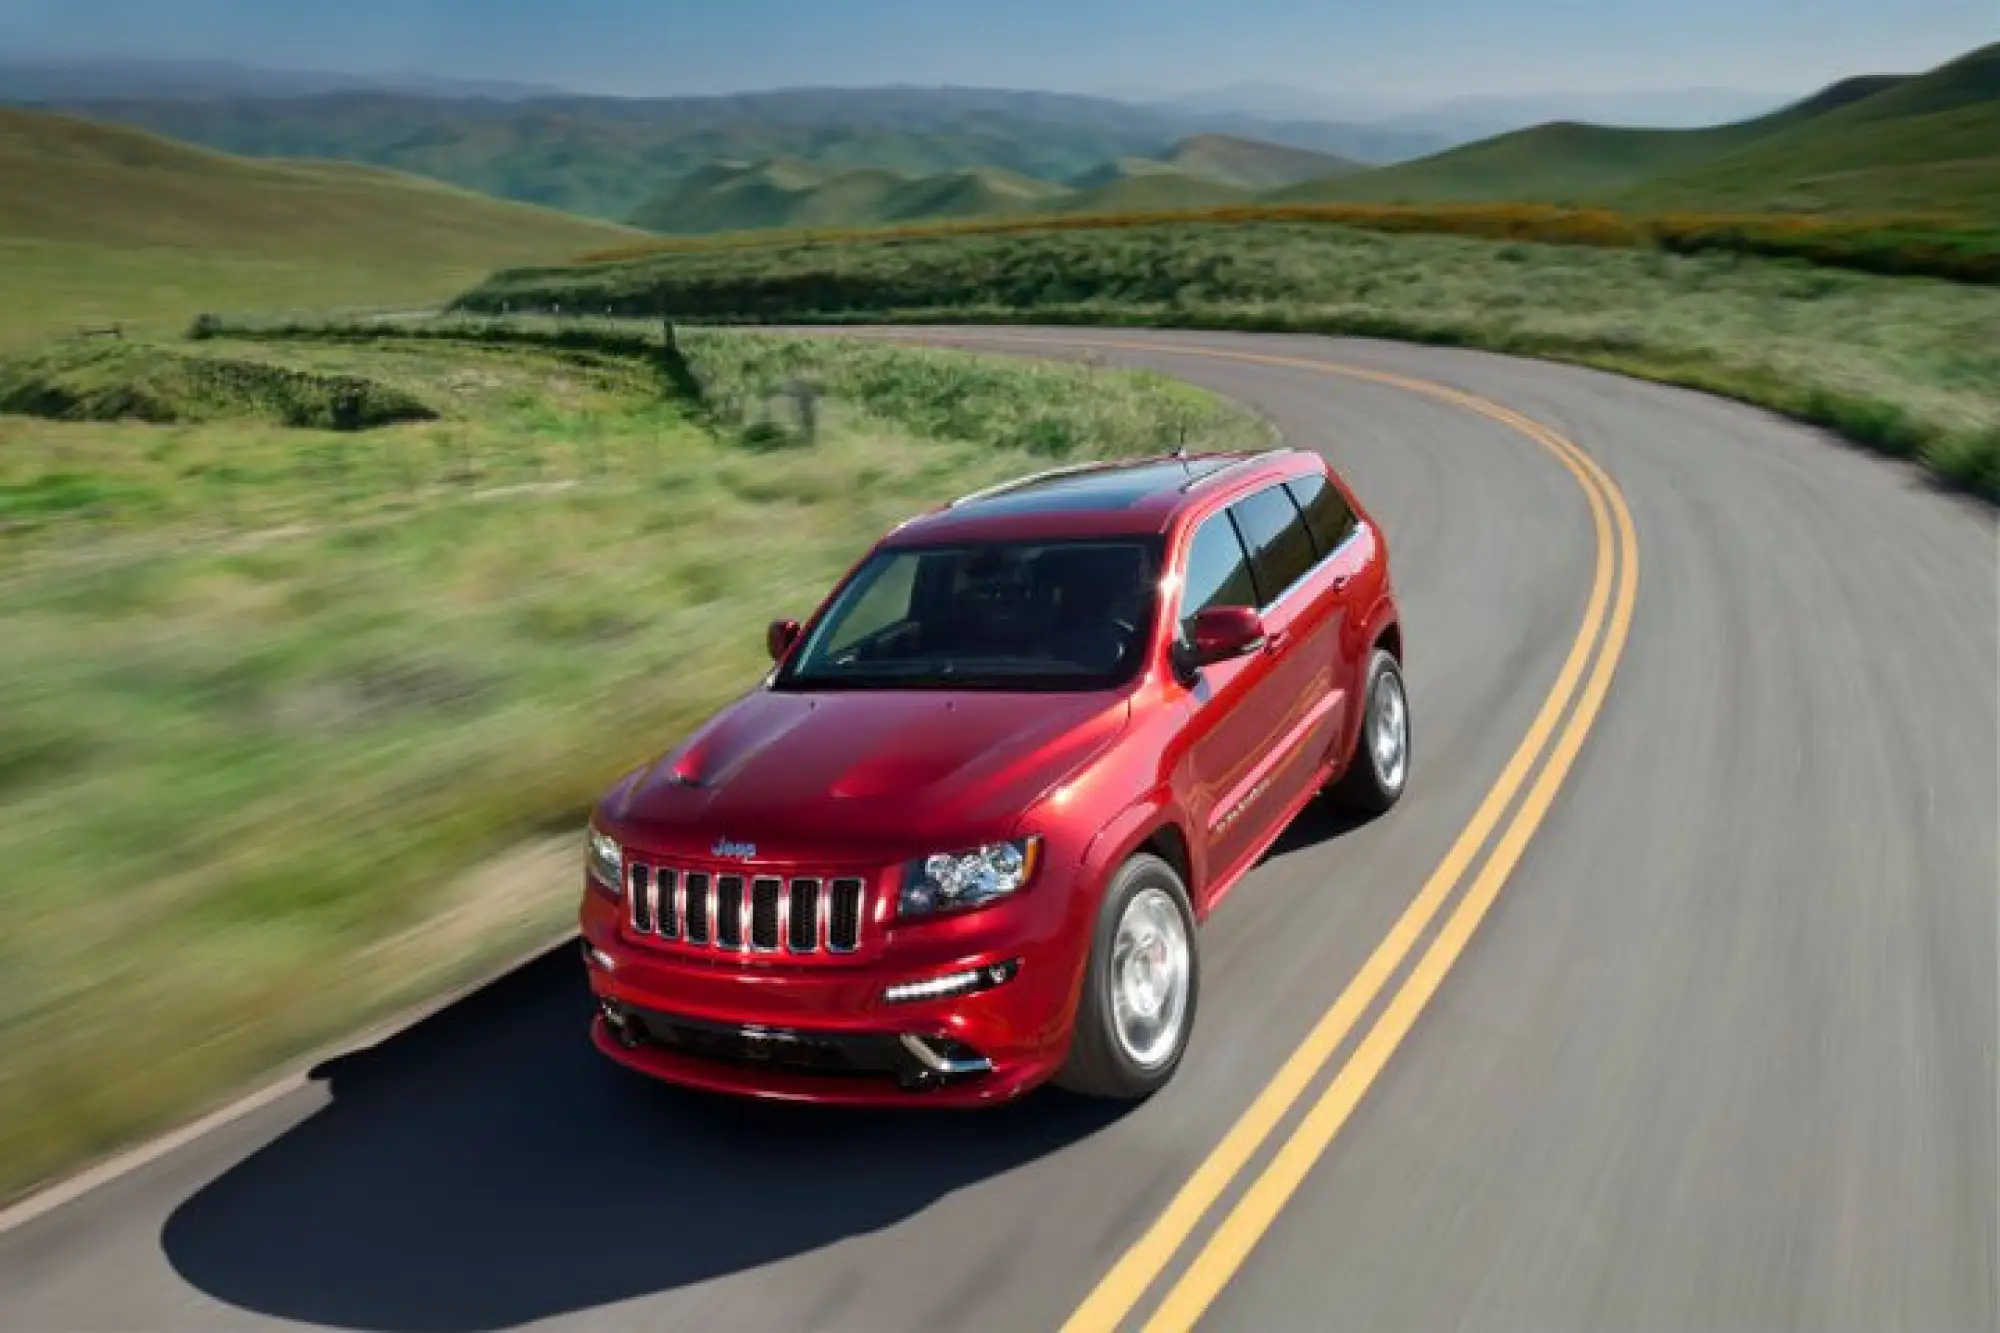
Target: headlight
[
  {"x": 605, "y": 861},
  {"x": 952, "y": 880}
]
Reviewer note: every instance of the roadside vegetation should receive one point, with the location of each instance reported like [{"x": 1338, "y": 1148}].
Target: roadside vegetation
[
  {"x": 1911, "y": 245},
  {"x": 278, "y": 701},
  {"x": 1909, "y": 366}
]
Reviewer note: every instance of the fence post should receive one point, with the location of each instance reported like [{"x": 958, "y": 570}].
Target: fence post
[{"x": 805, "y": 397}]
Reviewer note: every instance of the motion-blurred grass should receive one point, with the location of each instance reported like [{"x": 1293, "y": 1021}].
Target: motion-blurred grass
[
  {"x": 1907, "y": 365},
  {"x": 270, "y": 698}
]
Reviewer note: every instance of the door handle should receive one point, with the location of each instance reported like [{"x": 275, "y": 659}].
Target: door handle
[
  {"x": 1340, "y": 581},
  {"x": 1275, "y": 639}
]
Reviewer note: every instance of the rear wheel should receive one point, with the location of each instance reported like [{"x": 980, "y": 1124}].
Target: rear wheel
[
  {"x": 1380, "y": 766},
  {"x": 1139, "y": 990}
]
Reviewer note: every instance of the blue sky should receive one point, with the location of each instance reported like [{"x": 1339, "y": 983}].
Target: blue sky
[{"x": 1401, "y": 49}]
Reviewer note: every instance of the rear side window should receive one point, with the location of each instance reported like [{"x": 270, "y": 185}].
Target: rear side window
[
  {"x": 1327, "y": 512},
  {"x": 1281, "y": 550},
  {"x": 1217, "y": 573}
]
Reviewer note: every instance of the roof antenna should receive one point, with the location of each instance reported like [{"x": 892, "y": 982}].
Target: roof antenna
[{"x": 1180, "y": 445}]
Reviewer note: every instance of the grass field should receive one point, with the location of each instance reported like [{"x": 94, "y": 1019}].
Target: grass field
[
  {"x": 276, "y": 688},
  {"x": 102, "y": 225},
  {"x": 1911, "y": 366}
]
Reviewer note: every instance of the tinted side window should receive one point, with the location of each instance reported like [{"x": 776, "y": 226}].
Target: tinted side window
[
  {"x": 1217, "y": 573},
  {"x": 1281, "y": 549},
  {"x": 1326, "y": 510}
]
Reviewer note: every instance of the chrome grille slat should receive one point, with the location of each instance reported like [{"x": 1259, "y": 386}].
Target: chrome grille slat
[{"x": 747, "y": 913}]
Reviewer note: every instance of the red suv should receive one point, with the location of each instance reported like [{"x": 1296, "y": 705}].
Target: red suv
[{"x": 957, "y": 842}]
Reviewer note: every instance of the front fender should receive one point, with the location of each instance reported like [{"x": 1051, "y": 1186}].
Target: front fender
[{"x": 1128, "y": 831}]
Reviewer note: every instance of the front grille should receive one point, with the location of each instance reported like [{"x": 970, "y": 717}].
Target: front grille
[{"x": 746, "y": 913}]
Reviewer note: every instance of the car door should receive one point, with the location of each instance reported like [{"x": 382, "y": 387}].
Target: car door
[
  {"x": 1300, "y": 622},
  {"x": 1235, "y": 706},
  {"x": 1342, "y": 583}
]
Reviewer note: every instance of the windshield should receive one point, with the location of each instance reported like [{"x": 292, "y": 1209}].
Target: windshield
[{"x": 1070, "y": 615}]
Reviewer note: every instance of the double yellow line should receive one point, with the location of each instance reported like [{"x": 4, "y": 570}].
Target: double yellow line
[{"x": 1552, "y": 743}]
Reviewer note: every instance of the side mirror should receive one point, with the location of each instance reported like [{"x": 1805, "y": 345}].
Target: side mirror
[
  {"x": 780, "y": 637},
  {"x": 1217, "y": 634},
  {"x": 1223, "y": 632}
]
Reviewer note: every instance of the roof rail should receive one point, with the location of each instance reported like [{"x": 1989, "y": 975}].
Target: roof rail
[
  {"x": 1256, "y": 456},
  {"x": 1001, "y": 488}
]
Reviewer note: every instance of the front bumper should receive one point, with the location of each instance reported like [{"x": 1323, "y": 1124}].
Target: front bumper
[{"x": 827, "y": 1034}]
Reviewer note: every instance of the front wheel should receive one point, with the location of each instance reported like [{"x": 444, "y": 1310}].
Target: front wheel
[
  {"x": 1139, "y": 990},
  {"x": 1380, "y": 766}
]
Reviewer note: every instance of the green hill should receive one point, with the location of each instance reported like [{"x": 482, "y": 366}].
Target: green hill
[
  {"x": 1559, "y": 162},
  {"x": 980, "y": 192},
  {"x": 1925, "y": 144},
  {"x": 1251, "y": 164},
  {"x": 1806, "y": 154},
  {"x": 101, "y": 223},
  {"x": 788, "y": 193},
  {"x": 1154, "y": 188},
  {"x": 1121, "y": 169}
]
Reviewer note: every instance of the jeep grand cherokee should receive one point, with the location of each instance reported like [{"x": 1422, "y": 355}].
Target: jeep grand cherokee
[{"x": 959, "y": 840}]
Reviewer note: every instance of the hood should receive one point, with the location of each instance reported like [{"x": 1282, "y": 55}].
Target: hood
[{"x": 863, "y": 774}]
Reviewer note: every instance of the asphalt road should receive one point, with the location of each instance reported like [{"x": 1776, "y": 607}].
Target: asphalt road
[{"x": 1720, "y": 1055}]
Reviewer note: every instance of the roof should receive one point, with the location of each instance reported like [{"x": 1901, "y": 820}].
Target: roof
[{"x": 1131, "y": 497}]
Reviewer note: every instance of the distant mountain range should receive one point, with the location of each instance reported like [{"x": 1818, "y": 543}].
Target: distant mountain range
[
  {"x": 1465, "y": 118},
  {"x": 608, "y": 156},
  {"x": 56, "y": 80},
  {"x": 858, "y": 157}
]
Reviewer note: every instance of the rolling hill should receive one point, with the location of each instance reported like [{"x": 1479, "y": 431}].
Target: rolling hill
[
  {"x": 790, "y": 193},
  {"x": 787, "y": 192},
  {"x": 1929, "y": 143},
  {"x": 1144, "y": 185},
  {"x": 607, "y": 156},
  {"x": 106, "y": 223},
  {"x": 1878, "y": 142},
  {"x": 1251, "y": 164}
]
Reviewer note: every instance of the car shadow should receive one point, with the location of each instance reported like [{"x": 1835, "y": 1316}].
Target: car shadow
[
  {"x": 1320, "y": 822},
  {"x": 489, "y": 1167}
]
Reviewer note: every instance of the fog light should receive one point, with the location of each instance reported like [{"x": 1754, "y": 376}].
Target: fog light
[{"x": 968, "y": 982}]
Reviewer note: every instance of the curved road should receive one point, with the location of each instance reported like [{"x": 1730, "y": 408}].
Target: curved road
[{"x": 1719, "y": 1054}]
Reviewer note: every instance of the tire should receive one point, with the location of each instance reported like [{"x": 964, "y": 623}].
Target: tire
[
  {"x": 1105, "y": 1060},
  {"x": 1377, "y": 776}
]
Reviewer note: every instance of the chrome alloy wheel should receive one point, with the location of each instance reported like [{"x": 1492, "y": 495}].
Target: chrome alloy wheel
[
  {"x": 1149, "y": 978},
  {"x": 1389, "y": 731}
]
